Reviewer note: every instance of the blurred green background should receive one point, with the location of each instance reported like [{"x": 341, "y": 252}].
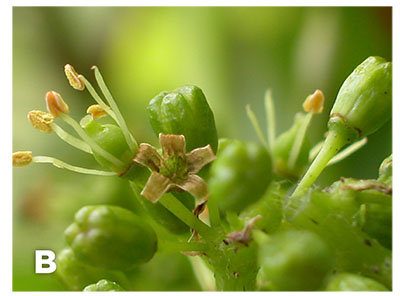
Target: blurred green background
[{"x": 233, "y": 54}]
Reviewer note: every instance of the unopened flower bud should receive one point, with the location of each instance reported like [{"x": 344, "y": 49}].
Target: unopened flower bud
[
  {"x": 73, "y": 77},
  {"x": 21, "y": 158},
  {"x": 41, "y": 120},
  {"x": 55, "y": 104},
  {"x": 96, "y": 111},
  {"x": 314, "y": 102}
]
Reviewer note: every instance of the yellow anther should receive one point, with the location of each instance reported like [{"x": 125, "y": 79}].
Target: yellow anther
[
  {"x": 41, "y": 120},
  {"x": 96, "y": 111},
  {"x": 22, "y": 158},
  {"x": 55, "y": 104},
  {"x": 315, "y": 102},
  {"x": 73, "y": 77}
]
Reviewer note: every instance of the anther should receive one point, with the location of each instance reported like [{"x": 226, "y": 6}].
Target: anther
[
  {"x": 73, "y": 77},
  {"x": 55, "y": 104}
]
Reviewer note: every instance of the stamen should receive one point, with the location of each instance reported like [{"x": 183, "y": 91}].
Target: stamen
[
  {"x": 315, "y": 102},
  {"x": 97, "y": 98},
  {"x": 21, "y": 158},
  {"x": 348, "y": 151},
  {"x": 93, "y": 145},
  {"x": 73, "y": 77},
  {"x": 41, "y": 120},
  {"x": 96, "y": 111},
  {"x": 120, "y": 120},
  {"x": 62, "y": 165},
  {"x": 256, "y": 126},
  {"x": 70, "y": 139},
  {"x": 55, "y": 104},
  {"x": 270, "y": 112}
]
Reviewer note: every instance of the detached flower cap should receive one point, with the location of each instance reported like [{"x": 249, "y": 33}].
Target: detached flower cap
[{"x": 175, "y": 168}]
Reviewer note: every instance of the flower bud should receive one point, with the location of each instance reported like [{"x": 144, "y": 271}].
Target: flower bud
[
  {"x": 240, "y": 175},
  {"x": 77, "y": 275},
  {"x": 184, "y": 111},
  {"x": 110, "y": 138},
  {"x": 354, "y": 282},
  {"x": 41, "y": 120},
  {"x": 295, "y": 260},
  {"x": 21, "y": 158},
  {"x": 364, "y": 102},
  {"x": 283, "y": 145},
  {"x": 111, "y": 237},
  {"x": 103, "y": 286}
]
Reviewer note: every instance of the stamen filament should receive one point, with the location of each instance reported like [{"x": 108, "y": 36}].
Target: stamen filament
[
  {"x": 120, "y": 119},
  {"x": 62, "y": 165},
  {"x": 270, "y": 112},
  {"x": 70, "y": 139},
  {"x": 97, "y": 98},
  {"x": 298, "y": 142},
  {"x": 348, "y": 151},
  {"x": 94, "y": 146},
  {"x": 256, "y": 126}
]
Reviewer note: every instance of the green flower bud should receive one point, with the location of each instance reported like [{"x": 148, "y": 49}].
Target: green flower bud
[
  {"x": 184, "y": 111},
  {"x": 283, "y": 145},
  {"x": 269, "y": 207},
  {"x": 111, "y": 237},
  {"x": 295, "y": 261},
  {"x": 354, "y": 282},
  {"x": 110, "y": 138},
  {"x": 240, "y": 175},
  {"x": 385, "y": 171},
  {"x": 76, "y": 275},
  {"x": 104, "y": 286},
  {"x": 364, "y": 102}
]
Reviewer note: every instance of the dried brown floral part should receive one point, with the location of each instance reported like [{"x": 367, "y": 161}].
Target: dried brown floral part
[
  {"x": 149, "y": 157},
  {"x": 172, "y": 145},
  {"x": 199, "y": 157},
  {"x": 155, "y": 187},
  {"x": 196, "y": 186}
]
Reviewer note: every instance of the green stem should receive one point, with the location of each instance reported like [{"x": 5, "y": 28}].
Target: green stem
[
  {"x": 333, "y": 143},
  {"x": 213, "y": 213},
  {"x": 167, "y": 247},
  {"x": 180, "y": 211}
]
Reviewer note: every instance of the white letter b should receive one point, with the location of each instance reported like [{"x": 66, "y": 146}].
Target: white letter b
[{"x": 40, "y": 261}]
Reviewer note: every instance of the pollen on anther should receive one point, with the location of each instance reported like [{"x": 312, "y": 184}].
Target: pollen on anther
[
  {"x": 21, "y": 158},
  {"x": 73, "y": 77},
  {"x": 315, "y": 102},
  {"x": 55, "y": 104},
  {"x": 41, "y": 120},
  {"x": 96, "y": 111}
]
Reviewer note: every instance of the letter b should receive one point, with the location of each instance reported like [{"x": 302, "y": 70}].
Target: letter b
[{"x": 44, "y": 257}]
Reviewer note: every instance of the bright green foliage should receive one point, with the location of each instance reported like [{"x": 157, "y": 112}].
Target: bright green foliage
[
  {"x": 295, "y": 261},
  {"x": 184, "y": 111},
  {"x": 103, "y": 286},
  {"x": 328, "y": 215},
  {"x": 364, "y": 101},
  {"x": 110, "y": 138},
  {"x": 354, "y": 282},
  {"x": 240, "y": 175},
  {"x": 111, "y": 237},
  {"x": 284, "y": 144},
  {"x": 76, "y": 275}
]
